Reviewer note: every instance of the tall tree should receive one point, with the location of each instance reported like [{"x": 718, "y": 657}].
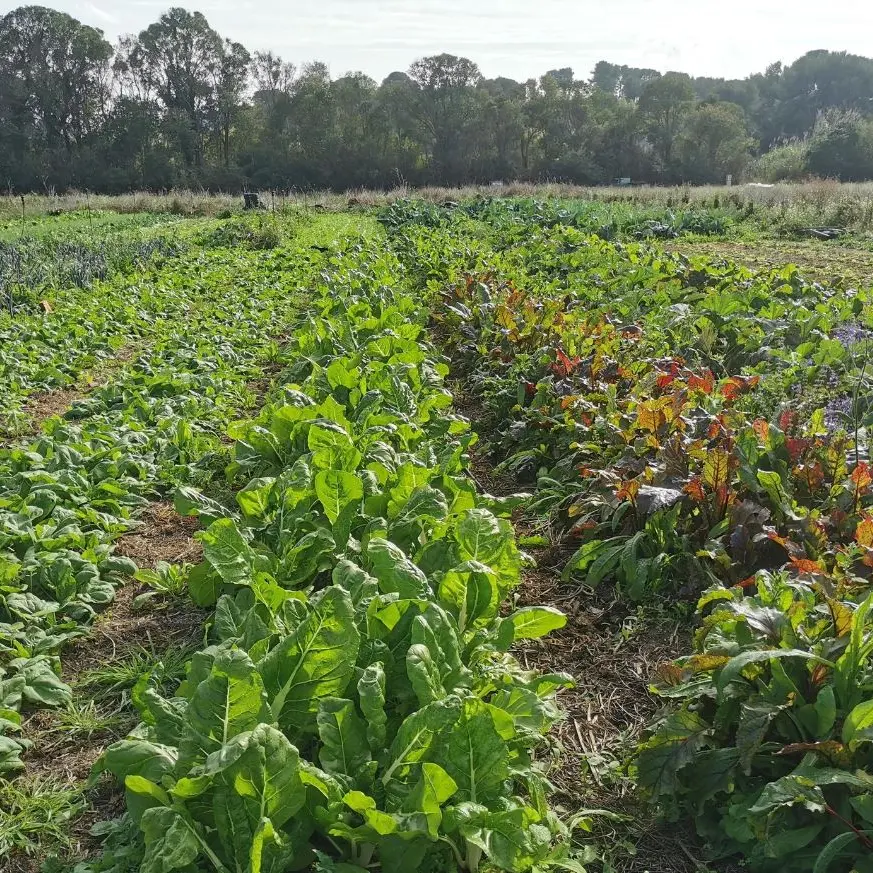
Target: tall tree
[
  {"x": 54, "y": 75},
  {"x": 231, "y": 82},
  {"x": 445, "y": 107},
  {"x": 664, "y": 104},
  {"x": 178, "y": 59}
]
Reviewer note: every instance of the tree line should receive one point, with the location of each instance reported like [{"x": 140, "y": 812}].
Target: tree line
[{"x": 180, "y": 105}]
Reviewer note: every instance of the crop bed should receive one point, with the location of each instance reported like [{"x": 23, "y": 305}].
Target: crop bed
[
  {"x": 694, "y": 432},
  {"x": 258, "y": 457}
]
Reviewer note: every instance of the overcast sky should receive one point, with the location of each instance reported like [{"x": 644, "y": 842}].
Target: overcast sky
[{"x": 518, "y": 38}]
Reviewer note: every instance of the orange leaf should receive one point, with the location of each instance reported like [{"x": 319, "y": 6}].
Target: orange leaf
[
  {"x": 704, "y": 383},
  {"x": 737, "y": 385},
  {"x": 796, "y": 447},
  {"x": 864, "y": 532},
  {"x": 695, "y": 490},
  {"x": 628, "y": 490},
  {"x": 650, "y": 416},
  {"x": 670, "y": 674},
  {"x": 786, "y": 420},
  {"x": 804, "y": 565},
  {"x": 565, "y": 365},
  {"x": 861, "y": 476},
  {"x": 819, "y": 674},
  {"x": 46, "y": 306},
  {"x": 811, "y": 474},
  {"x": 762, "y": 429}
]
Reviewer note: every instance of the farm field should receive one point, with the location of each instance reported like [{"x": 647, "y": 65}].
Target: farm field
[{"x": 489, "y": 535}]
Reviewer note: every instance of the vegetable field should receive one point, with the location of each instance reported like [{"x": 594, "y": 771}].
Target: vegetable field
[{"x": 455, "y": 538}]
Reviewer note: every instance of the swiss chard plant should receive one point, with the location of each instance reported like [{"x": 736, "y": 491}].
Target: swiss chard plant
[{"x": 358, "y": 701}]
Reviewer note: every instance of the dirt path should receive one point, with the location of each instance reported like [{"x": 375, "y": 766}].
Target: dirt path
[
  {"x": 820, "y": 261},
  {"x": 39, "y": 407},
  {"x": 613, "y": 652},
  {"x": 101, "y": 668}
]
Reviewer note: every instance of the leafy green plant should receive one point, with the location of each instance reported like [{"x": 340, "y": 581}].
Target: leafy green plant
[
  {"x": 358, "y": 697},
  {"x": 766, "y": 741}
]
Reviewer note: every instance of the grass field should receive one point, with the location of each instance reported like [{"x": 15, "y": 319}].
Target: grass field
[{"x": 455, "y": 533}]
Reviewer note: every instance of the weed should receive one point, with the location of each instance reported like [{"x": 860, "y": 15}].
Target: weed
[
  {"x": 35, "y": 815},
  {"x": 166, "y": 667}
]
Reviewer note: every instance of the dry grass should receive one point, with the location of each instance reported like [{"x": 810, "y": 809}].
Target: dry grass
[{"x": 820, "y": 195}]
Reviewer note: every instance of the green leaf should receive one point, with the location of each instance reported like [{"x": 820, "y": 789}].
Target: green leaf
[
  {"x": 415, "y": 736},
  {"x": 835, "y": 848},
  {"x": 228, "y": 553},
  {"x": 229, "y": 701},
  {"x": 148, "y": 789},
  {"x": 858, "y": 726},
  {"x": 343, "y": 734},
  {"x": 826, "y": 711},
  {"x": 512, "y": 839},
  {"x": 394, "y": 571},
  {"x": 332, "y": 448},
  {"x": 254, "y": 498},
  {"x": 380, "y": 822},
  {"x": 432, "y": 790},
  {"x": 339, "y": 376},
  {"x": 674, "y": 746},
  {"x": 533, "y": 622},
  {"x": 316, "y": 661},
  {"x": 41, "y": 685},
  {"x": 371, "y": 694},
  {"x": 472, "y": 594},
  {"x": 475, "y": 754},
  {"x": 204, "y": 585},
  {"x": 360, "y": 584},
  {"x": 170, "y": 842},
  {"x": 262, "y": 767},
  {"x": 336, "y": 490},
  {"x": 483, "y": 537},
  {"x": 191, "y": 502},
  {"x": 424, "y": 675},
  {"x": 755, "y": 720},
  {"x": 135, "y": 757},
  {"x": 791, "y": 790},
  {"x": 863, "y": 805},
  {"x": 733, "y": 669}
]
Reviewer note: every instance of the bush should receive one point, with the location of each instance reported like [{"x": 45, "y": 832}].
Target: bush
[{"x": 787, "y": 163}]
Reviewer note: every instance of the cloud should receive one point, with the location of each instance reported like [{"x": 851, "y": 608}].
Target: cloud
[{"x": 97, "y": 12}]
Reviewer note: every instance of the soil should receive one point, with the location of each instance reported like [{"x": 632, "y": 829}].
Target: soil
[
  {"x": 163, "y": 535},
  {"x": 613, "y": 656},
  {"x": 38, "y": 408}
]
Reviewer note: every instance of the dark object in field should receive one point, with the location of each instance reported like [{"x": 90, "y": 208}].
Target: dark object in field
[
  {"x": 252, "y": 200},
  {"x": 825, "y": 232}
]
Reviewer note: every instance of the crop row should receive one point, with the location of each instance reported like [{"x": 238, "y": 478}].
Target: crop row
[
  {"x": 357, "y": 706},
  {"x": 67, "y": 496},
  {"x": 695, "y": 431}
]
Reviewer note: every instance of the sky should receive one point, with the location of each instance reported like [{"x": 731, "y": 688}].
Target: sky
[{"x": 516, "y": 38}]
